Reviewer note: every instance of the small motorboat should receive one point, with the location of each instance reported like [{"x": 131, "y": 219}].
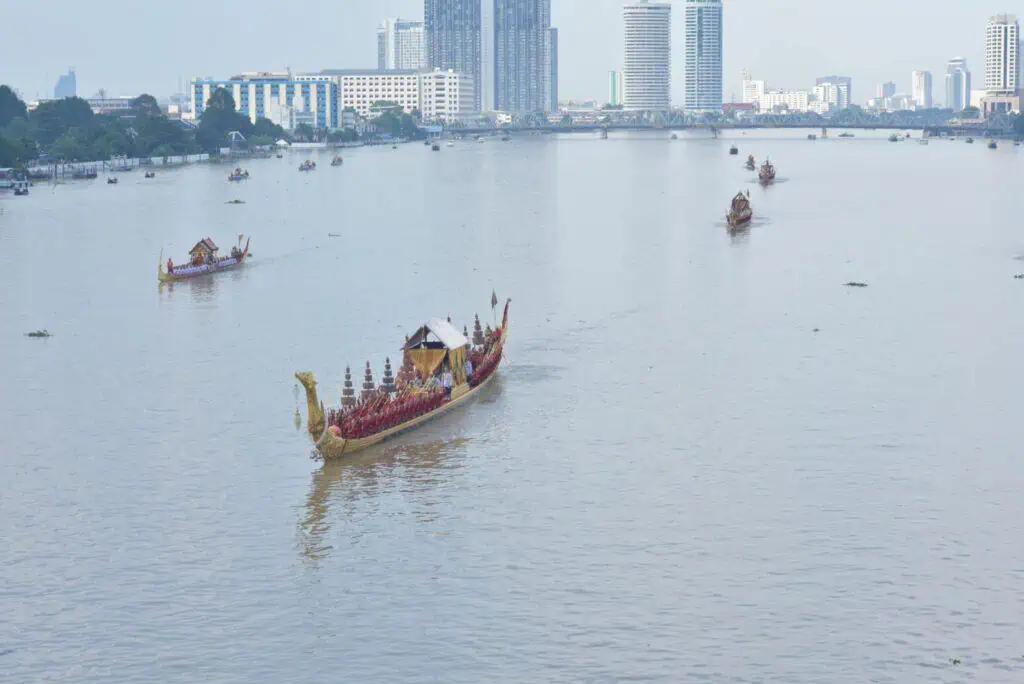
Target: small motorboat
[
  {"x": 894, "y": 138},
  {"x": 20, "y": 188},
  {"x": 812, "y": 136},
  {"x": 449, "y": 144},
  {"x": 337, "y": 161},
  {"x": 969, "y": 141},
  {"x": 673, "y": 137},
  {"x": 394, "y": 147},
  {"x": 734, "y": 150},
  {"x": 238, "y": 175},
  {"x": 992, "y": 145},
  {"x": 307, "y": 165},
  {"x": 739, "y": 213},
  {"x": 506, "y": 138},
  {"x": 280, "y": 156},
  {"x": 435, "y": 148},
  {"x": 149, "y": 174},
  {"x": 480, "y": 138},
  {"x": 751, "y": 163},
  {"x": 111, "y": 181}
]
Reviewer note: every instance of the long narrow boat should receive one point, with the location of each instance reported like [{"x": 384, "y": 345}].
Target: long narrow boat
[
  {"x": 203, "y": 261},
  {"x": 452, "y": 380}
]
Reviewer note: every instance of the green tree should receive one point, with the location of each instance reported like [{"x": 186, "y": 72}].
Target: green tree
[
  {"x": 53, "y": 118},
  {"x": 16, "y": 152},
  {"x": 304, "y": 131},
  {"x": 970, "y": 113},
  {"x": 218, "y": 120},
  {"x": 268, "y": 128},
  {"x": 146, "y": 105},
  {"x": 11, "y": 106}
]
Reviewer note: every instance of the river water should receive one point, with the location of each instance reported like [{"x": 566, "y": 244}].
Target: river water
[{"x": 704, "y": 460}]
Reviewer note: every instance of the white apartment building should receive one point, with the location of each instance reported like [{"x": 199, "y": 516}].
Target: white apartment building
[
  {"x": 400, "y": 45},
  {"x": 753, "y": 90},
  {"x": 703, "y": 19},
  {"x": 1002, "y": 55},
  {"x": 445, "y": 96},
  {"x": 648, "y": 65},
  {"x": 436, "y": 94},
  {"x": 921, "y": 88},
  {"x": 791, "y": 100},
  {"x": 825, "y": 98}
]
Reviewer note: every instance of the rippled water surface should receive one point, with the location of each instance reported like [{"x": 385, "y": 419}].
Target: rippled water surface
[{"x": 704, "y": 460}]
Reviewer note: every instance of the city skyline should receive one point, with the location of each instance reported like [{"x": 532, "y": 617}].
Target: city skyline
[{"x": 590, "y": 41}]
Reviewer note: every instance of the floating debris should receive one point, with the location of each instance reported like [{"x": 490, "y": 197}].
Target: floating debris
[
  {"x": 1019, "y": 276},
  {"x": 854, "y": 283},
  {"x": 235, "y": 201},
  {"x": 334, "y": 235},
  {"x": 955, "y": 661},
  {"x": 39, "y": 333}
]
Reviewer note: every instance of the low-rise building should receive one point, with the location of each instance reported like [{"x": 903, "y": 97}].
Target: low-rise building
[
  {"x": 445, "y": 96},
  {"x": 437, "y": 94},
  {"x": 284, "y": 99}
]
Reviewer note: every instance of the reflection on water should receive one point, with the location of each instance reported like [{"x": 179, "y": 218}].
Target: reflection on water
[{"x": 342, "y": 484}]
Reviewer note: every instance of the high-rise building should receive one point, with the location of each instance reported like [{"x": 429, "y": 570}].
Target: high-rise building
[
  {"x": 487, "y": 55},
  {"x": 703, "y": 55},
  {"x": 921, "y": 88},
  {"x": 648, "y": 69},
  {"x": 753, "y": 90},
  {"x": 958, "y": 85},
  {"x": 553, "y": 52},
  {"x": 886, "y": 90},
  {"x": 66, "y": 86},
  {"x": 522, "y": 56},
  {"x": 841, "y": 87},
  {"x": 400, "y": 45},
  {"x": 1002, "y": 55},
  {"x": 615, "y": 88},
  {"x": 452, "y": 37}
]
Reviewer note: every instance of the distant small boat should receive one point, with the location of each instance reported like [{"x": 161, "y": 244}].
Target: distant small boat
[
  {"x": 280, "y": 156},
  {"x": 604, "y": 134},
  {"x": 150, "y": 174},
  {"x": 435, "y": 148},
  {"x": 969, "y": 141},
  {"x": 238, "y": 175},
  {"x": 992, "y": 144},
  {"x": 20, "y": 188},
  {"x": 673, "y": 137},
  {"x": 111, "y": 181},
  {"x": 922, "y": 141},
  {"x": 894, "y": 138},
  {"x": 449, "y": 144},
  {"x": 307, "y": 165},
  {"x": 846, "y": 135},
  {"x": 812, "y": 136},
  {"x": 480, "y": 139},
  {"x": 506, "y": 138},
  {"x": 751, "y": 163},
  {"x": 734, "y": 150},
  {"x": 767, "y": 173},
  {"x": 337, "y": 161}
]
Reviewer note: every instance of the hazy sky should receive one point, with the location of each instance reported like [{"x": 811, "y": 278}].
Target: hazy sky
[{"x": 133, "y": 46}]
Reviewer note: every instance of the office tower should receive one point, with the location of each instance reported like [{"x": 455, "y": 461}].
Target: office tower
[
  {"x": 400, "y": 45},
  {"x": 66, "y": 86},
  {"x": 1002, "y": 55},
  {"x": 753, "y": 90},
  {"x": 452, "y": 36},
  {"x": 703, "y": 55},
  {"x": 958, "y": 84},
  {"x": 843, "y": 89},
  {"x": 554, "y": 69},
  {"x": 921, "y": 88},
  {"x": 522, "y": 56},
  {"x": 648, "y": 70},
  {"x": 487, "y": 55}
]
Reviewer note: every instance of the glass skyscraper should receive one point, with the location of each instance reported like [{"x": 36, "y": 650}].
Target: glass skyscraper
[
  {"x": 523, "y": 56},
  {"x": 453, "y": 35},
  {"x": 703, "y": 20}
]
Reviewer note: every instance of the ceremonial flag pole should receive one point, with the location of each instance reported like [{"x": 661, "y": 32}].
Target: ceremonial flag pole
[{"x": 494, "y": 304}]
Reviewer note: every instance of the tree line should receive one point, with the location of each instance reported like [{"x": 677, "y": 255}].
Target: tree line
[{"x": 68, "y": 130}]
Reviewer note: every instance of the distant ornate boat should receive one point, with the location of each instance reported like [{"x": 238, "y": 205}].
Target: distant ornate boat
[
  {"x": 740, "y": 212},
  {"x": 337, "y": 161},
  {"x": 767, "y": 173},
  {"x": 441, "y": 370},
  {"x": 203, "y": 260},
  {"x": 238, "y": 175},
  {"x": 307, "y": 165},
  {"x": 751, "y": 163}
]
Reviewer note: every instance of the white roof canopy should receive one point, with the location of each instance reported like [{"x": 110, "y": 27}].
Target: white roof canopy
[{"x": 442, "y": 330}]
